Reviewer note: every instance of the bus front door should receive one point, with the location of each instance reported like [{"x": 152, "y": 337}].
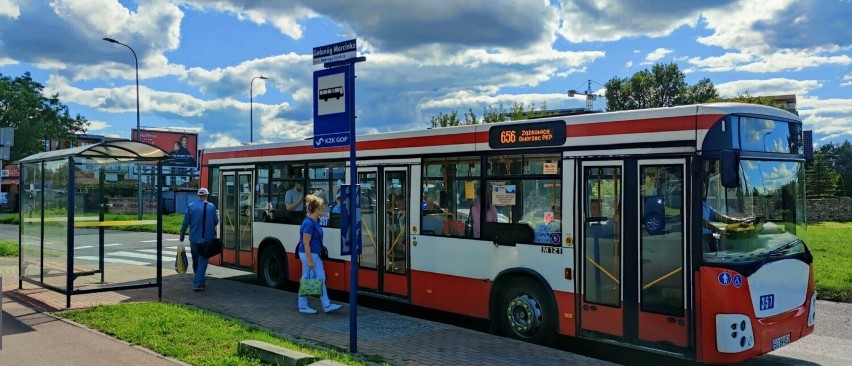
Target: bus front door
[
  {"x": 385, "y": 200},
  {"x": 601, "y": 306},
  {"x": 632, "y": 256},
  {"x": 235, "y": 218}
]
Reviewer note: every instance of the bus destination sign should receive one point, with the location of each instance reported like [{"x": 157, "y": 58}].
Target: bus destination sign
[{"x": 550, "y": 133}]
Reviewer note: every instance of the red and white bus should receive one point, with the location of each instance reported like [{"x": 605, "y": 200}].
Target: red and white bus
[{"x": 589, "y": 226}]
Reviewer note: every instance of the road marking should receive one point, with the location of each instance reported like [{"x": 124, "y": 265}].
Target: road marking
[
  {"x": 154, "y": 251},
  {"x": 114, "y": 260},
  {"x": 148, "y": 241},
  {"x": 140, "y": 256},
  {"x": 112, "y": 245},
  {"x": 85, "y": 247}
]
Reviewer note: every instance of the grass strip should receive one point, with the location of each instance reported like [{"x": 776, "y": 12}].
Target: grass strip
[
  {"x": 8, "y": 248},
  {"x": 171, "y": 222},
  {"x": 831, "y": 245},
  {"x": 192, "y": 335}
]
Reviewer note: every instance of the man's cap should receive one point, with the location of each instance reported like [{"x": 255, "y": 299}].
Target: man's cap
[{"x": 203, "y": 192}]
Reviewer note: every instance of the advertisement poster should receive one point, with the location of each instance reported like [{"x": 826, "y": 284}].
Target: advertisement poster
[
  {"x": 183, "y": 146},
  {"x": 503, "y": 195}
]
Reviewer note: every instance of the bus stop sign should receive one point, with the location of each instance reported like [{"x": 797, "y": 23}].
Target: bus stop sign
[{"x": 331, "y": 115}]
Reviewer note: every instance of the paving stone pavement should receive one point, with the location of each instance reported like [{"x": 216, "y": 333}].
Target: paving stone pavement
[{"x": 399, "y": 339}]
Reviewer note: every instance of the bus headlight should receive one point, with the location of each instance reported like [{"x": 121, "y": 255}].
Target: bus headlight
[
  {"x": 812, "y": 311},
  {"x": 733, "y": 333}
]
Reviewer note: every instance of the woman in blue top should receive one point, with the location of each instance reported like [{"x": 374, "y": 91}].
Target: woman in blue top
[{"x": 310, "y": 254}]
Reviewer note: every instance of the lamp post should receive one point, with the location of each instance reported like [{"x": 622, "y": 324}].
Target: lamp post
[
  {"x": 251, "y": 106},
  {"x": 138, "y": 132}
]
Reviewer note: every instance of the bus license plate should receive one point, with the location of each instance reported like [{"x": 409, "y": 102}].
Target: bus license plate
[{"x": 780, "y": 342}]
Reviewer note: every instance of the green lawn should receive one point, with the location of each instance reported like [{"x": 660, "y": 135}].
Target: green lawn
[
  {"x": 8, "y": 248},
  {"x": 831, "y": 245},
  {"x": 171, "y": 223},
  {"x": 194, "y": 336}
]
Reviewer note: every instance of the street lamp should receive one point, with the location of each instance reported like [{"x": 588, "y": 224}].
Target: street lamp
[
  {"x": 138, "y": 132},
  {"x": 251, "y": 106}
]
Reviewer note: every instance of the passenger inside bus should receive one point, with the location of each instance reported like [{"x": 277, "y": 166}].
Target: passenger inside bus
[
  {"x": 429, "y": 205},
  {"x": 293, "y": 204},
  {"x": 476, "y": 223},
  {"x": 713, "y": 233}
]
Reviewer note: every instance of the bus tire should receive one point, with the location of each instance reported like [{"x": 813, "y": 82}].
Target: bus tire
[
  {"x": 526, "y": 312},
  {"x": 272, "y": 269}
]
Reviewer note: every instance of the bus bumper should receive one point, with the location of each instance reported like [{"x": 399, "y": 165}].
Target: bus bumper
[{"x": 729, "y": 330}]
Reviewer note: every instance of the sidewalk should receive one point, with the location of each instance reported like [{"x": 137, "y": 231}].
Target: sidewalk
[{"x": 401, "y": 340}]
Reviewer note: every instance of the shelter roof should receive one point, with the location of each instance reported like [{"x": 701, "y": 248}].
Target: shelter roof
[{"x": 105, "y": 152}]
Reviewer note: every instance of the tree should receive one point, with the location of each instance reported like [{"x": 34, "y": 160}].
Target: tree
[
  {"x": 752, "y": 99},
  {"x": 491, "y": 114},
  {"x": 34, "y": 116},
  {"x": 662, "y": 86},
  {"x": 839, "y": 159},
  {"x": 820, "y": 179},
  {"x": 446, "y": 120}
]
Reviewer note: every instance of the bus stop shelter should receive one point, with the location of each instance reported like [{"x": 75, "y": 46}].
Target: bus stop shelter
[{"x": 66, "y": 236}]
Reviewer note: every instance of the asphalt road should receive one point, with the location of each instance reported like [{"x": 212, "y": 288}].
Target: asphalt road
[{"x": 830, "y": 344}]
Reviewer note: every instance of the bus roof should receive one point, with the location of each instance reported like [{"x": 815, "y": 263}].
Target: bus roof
[{"x": 620, "y": 127}]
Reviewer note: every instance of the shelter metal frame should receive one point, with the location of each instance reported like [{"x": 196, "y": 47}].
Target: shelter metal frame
[{"x": 105, "y": 153}]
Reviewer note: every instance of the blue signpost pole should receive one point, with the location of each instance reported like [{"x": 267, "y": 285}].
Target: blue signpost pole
[
  {"x": 349, "y": 90},
  {"x": 353, "y": 179}
]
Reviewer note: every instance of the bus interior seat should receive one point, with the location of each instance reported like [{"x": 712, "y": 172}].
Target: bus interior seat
[{"x": 433, "y": 224}]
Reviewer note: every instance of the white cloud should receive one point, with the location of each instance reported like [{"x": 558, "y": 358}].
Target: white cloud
[
  {"x": 786, "y": 60},
  {"x": 284, "y": 15},
  {"x": 97, "y": 126},
  {"x": 4, "y": 61},
  {"x": 220, "y": 140},
  {"x": 10, "y": 9},
  {"x": 733, "y": 24},
  {"x": 774, "y": 86},
  {"x": 593, "y": 20},
  {"x": 629, "y": 64},
  {"x": 656, "y": 55},
  {"x": 832, "y": 117},
  {"x": 847, "y": 80}
]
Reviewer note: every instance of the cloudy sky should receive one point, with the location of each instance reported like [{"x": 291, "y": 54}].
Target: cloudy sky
[{"x": 197, "y": 57}]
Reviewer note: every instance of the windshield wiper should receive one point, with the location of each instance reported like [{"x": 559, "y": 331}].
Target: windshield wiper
[{"x": 780, "y": 250}]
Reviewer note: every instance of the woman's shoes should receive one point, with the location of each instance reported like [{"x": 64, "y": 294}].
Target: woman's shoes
[
  {"x": 307, "y": 310},
  {"x": 325, "y": 309},
  {"x": 331, "y": 307}
]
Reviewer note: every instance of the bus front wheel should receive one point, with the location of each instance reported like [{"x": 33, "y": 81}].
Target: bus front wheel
[
  {"x": 272, "y": 271},
  {"x": 525, "y": 312}
]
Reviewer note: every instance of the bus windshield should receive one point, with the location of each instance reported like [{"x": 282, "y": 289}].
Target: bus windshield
[{"x": 762, "y": 217}]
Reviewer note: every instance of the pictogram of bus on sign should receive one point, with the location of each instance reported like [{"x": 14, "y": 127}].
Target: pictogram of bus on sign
[{"x": 328, "y": 93}]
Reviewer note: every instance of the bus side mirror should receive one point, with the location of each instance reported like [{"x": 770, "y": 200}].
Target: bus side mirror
[{"x": 730, "y": 162}]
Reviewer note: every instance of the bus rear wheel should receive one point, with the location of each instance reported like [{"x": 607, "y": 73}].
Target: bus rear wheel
[
  {"x": 525, "y": 312},
  {"x": 272, "y": 269}
]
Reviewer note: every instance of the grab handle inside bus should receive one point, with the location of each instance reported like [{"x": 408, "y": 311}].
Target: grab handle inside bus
[{"x": 730, "y": 162}]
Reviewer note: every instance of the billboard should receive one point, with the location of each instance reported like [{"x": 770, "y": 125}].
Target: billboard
[{"x": 183, "y": 146}]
